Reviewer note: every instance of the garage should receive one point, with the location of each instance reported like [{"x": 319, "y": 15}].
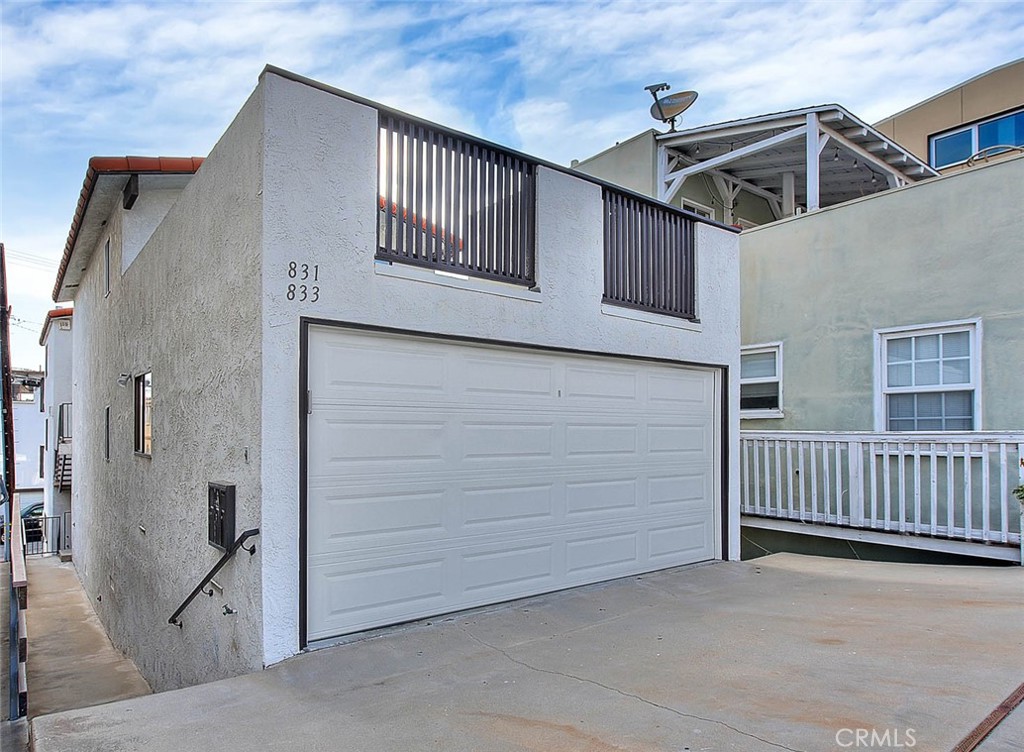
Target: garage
[{"x": 443, "y": 474}]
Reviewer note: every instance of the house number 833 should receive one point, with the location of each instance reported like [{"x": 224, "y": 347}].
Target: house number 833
[{"x": 304, "y": 288}]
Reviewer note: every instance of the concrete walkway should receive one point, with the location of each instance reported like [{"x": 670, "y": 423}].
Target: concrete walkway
[
  {"x": 71, "y": 663},
  {"x": 790, "y": 652}
]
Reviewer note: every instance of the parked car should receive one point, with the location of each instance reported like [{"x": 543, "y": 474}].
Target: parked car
[{"x": 33, "y": 517}]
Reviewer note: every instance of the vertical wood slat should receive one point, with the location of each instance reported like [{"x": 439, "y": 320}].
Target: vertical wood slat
[
  {"x": 452, "y": 203},
  {"x": 648, "y": 256},
  {"x": 789, "y": 478},
  {"x": 757, "y": 478},
  {"x": 950, "y": 496},
  {"x": 814, "y": 482},
  {"x": 873, "y": 459},
  {"x": 886, "y": 488},
  {"x": 803, "y": 501},
  {"x": 968, "y": 493},
  {"x": 901, "y": 480},
  {"x": 933, "y": 482},
  {"x": 1004, "y": 496},
  {"x": 778, "y": 476},
  {"x": 986, "y": 491},
  {"x": 387, "y": 152}
]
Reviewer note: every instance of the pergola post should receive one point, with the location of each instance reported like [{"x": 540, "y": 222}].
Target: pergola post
[{"x": 813, "y": 167}]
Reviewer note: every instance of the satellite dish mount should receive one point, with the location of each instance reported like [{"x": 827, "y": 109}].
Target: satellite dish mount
[{"x": 668, "y": 108}]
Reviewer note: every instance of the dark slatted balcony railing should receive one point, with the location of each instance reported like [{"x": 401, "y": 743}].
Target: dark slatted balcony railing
[
  {"x": 648, "y": 256},
  {"x": 453, "y": 204}
]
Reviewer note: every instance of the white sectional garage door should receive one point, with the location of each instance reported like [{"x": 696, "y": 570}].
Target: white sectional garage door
[{"x": 443, "y": 475}]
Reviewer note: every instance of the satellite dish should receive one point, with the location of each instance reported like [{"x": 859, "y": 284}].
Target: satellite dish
[{"x": 668, "y": 108}]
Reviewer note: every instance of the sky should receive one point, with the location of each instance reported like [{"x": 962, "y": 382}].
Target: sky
[{"x": 558, "y": 80}]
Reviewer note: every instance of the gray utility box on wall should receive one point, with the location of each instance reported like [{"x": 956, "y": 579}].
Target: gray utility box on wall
[{"x": 221, "y": 515}]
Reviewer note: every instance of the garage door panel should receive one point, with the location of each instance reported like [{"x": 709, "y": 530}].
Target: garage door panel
[
  {"x": 511, "y": 505},
  {"x": 512, "y": 377},
  {"x": 503, "y": 473},
  {"x": 517, "y": 567},
  {"x": 591, "y": 498},
  {"x": 374, "y": 517},
  {"x": 600, "y": 439},
  {"x": 497, "y": 439},
  {"x": 345, "y": 440},
  {"x": 594, "y": 384},
  {"x": 673, "y": 541},
  {"x": 344, "y": 369},
  {"x": 676, "y": 438},
  {"x": 666, "y": 492},
  {"x": 613, "y": 552},
  {"x": 341, "y": 596},
  {"x": 677, "y": 387}
]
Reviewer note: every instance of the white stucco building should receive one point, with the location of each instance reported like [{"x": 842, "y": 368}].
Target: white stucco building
[
  {"x": 57, "y": 338},
  {"x": 434, "y": 373},
  {"x": 29, "y": 435}
]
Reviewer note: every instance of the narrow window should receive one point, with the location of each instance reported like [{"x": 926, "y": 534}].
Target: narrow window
[
  {"x": 144, "y": 414},
  {"x": 761, "y": 381},
  {"x": 106, "y": 268},
  {"x": 106, "y": 433},
  {"x": 42, "y": 460}
]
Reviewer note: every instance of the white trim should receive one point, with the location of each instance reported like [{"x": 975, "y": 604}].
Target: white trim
[
  {"x": 763, "y": 347},
  {"x": 684, "y": 202},
  {"x": 649, "y": 317},
  {"x": 972, "y": 326},
  {"x": 446, "y": 279}
]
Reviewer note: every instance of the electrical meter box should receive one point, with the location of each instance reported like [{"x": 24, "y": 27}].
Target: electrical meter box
[{"x": 222, "y": 515}]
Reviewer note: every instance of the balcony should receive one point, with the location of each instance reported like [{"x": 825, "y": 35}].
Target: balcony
[{"x": 463, "y": 206}]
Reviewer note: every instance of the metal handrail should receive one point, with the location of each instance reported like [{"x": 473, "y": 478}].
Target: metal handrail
[{"x": 216, "y": 568}]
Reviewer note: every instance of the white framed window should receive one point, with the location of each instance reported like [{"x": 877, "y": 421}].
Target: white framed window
[
  {"x": 957, "y": 145},
  {"x": 699, "y": 209},
  {"x": 928, "y": 378},
  {"x": 761, "y": 381}
]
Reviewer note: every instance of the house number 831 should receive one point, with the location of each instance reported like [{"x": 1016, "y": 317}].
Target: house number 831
[{"x": 303, "y": 273}]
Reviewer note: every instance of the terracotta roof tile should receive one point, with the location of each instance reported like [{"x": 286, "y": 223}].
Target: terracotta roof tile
[
  {"x": 114, "y": 166},
  {"x": 56, "y": 313}
]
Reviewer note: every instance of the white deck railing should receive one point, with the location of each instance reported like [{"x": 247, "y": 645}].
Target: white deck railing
[{"x": 956, "y": 486}]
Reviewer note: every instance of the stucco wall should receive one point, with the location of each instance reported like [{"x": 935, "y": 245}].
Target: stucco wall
[
  {"x": 942, "y": 250},
  {"x": 186, "y": 309},
  {"x": 320, "y": 195},
  {"x": 57, "y": 390},
  {"x": 148, "y": 211}
]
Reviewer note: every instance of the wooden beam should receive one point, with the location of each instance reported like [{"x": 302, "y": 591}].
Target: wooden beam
[
  {"x": 867, "y": 156},
  {"x": 738, "y": 153},
  {"x": 718, "y": 134}
]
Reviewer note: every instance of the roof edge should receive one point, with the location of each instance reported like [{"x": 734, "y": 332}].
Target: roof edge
[
  {"x": 114, "y": 166},
  {"x": 56, "y": 313}
]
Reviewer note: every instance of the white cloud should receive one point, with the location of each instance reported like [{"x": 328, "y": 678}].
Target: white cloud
[{"x": 556, "y": 79}]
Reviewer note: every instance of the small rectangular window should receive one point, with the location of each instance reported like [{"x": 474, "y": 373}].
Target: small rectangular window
[
  {"x": 42, "y": 460},
  {"x": 927, "y": 378},
  {"x": 144, "y": 414},
  {"x": 106, "y": 433},
  {"x": 106, "y": 268},
  {"x": 761, "y": 381}
]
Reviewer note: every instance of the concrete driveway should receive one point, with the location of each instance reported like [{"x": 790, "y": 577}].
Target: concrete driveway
[{"x": 787, "y": 652}]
